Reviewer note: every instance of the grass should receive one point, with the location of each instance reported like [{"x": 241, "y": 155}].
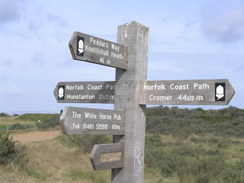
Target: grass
[
  {"x": 6, "y": 123},
  {"x": 169, "y": 158},
  {"x": 4, "y": 127},
  {"x": 29, "y": 122},
  {"x": 42, "y": 176},
  {"x": 34, "y": 117},
  {"x": 197, "y": 159},
  {"x": 91, "y": 176},
  {"x": 51, "y": 161},
  {"x": 13, "y": 120}
]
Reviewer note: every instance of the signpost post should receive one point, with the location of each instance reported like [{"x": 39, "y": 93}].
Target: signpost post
[
  {"x": 135, "y": 37},
  {"x": 130, "y": 93}
]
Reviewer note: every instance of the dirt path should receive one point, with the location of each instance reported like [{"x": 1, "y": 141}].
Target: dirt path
[{"x": 35, "y": 136}]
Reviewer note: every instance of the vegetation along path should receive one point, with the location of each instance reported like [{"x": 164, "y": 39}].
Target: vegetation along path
[{"x": 35, "y": 136}]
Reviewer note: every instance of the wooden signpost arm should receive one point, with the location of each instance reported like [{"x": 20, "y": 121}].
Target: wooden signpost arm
[{"x": 135, "y": 37}]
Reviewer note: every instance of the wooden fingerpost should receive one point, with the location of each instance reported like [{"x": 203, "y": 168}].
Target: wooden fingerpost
[{"x": 135, "y": 37}]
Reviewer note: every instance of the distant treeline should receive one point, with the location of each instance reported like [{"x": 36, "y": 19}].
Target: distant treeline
[{"x": 228, "y": 122}]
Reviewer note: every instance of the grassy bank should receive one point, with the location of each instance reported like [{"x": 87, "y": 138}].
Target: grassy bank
[
  {"x": 168, "y": 159},
  {"x": 182, "y": 146}
]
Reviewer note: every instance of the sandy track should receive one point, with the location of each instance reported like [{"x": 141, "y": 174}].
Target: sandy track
[{"x": 35, "y": 136}]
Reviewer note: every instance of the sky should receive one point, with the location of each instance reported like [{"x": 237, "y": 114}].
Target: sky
[{"x": 201, "y": 39}]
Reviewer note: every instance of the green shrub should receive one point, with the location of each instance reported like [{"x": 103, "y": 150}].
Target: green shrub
[
  {"x": 3, "y": 114},
  {"x": 3, "y": 127},
  {"x": 40, "y": 175},
  {"x": 167, "y": 164},
  {"x": 11, "y": 153},
  {"x": 203, "y": 170},
  {"x": 48, "y": 122},
  {"x": 18, "y": 126},
  {"x": 228, "y": 122},
  {"x": 31, "y": 117},
  {"x": 188, "y": 151},
  {"x": 76, "y": 175},
  {"x": 154, "y": 140},
  {"x": 198, "y": 140},
  {"x": 43, "y": 121},
  {"x": 234, "y": 173},
  {"x": 157, "y": 157}
]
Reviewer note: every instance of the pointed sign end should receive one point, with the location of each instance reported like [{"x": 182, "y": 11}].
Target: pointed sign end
[
  {"x": 55, "y": 92},
  {"x": 100, "y": 149},
  {"x": 93, "y": 157},
  {"x": 62, "y": 120},
  {"x": 230, "y": 90},
  {"x": 72, "y": 45}
]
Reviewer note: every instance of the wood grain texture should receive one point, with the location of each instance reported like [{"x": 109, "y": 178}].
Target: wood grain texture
[
  {"x": 77, "y": 121},
  {"x": 135, "y": 37},
  {"x": 98, "y": 51},
  {"x": 184, "y": 92},
  {"x": 86, "y": 92},
  {"x": 100, "y": 149}
]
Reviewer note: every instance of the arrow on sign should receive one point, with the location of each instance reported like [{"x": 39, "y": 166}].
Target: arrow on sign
[
  {"x": 99, "y": 163},
  {"x": 186, "y": 92},
  {"x": 85, "y": 92},
  {"x": 96, "y": 50},
  {"x": 75, "y": 120}
]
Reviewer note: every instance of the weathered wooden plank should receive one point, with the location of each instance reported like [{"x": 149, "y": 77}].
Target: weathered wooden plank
[
  {"x": 85, "y": 92},
  {"x": 135, "y": 37},
  {"x": 101, "y": 149},
  {"x": 186, "y": 92},
  {"x": 89, "y": 48},
  {"x": 76, "y": 120}
]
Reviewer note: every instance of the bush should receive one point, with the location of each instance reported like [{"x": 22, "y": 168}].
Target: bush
[
  {"x": 157, "y": 157},
  {"x": 188, "y": 151},
  {"x": 167, "y": 164},
  {"x": 203, "y": 170},
  {"x": 3, "y": 114},
  {"x": 11, "y": 153},
  {"x": 34, "y": 117},
  {"x": 48, "y": 122},
  {"x": 18, "y": 126},
  {"x": 199, "y": 162},
  {"x": 228, "y": 122},
  {"x": 234, "y": 176},
  {"x": 235, "y": 173}
]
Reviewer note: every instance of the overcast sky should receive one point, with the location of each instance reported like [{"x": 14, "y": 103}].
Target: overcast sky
[{"x": 201, "y": 39}]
